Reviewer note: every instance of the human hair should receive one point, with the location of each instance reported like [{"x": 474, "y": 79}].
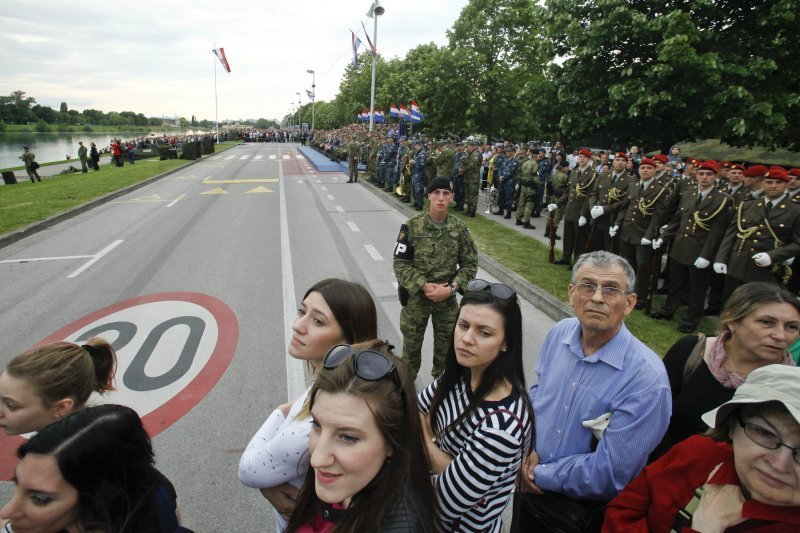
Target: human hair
[
  {"x": 507, "y": 366},
  {"x": 604, "y": 259},
  {"x": 749, "y": 297},
  {"x": 393, "y": 402},
  {"x": 352, "y": 307},
  {"x": 106, "y": 455},
  {"x": 722, "y": 430},
  {"x": 66, "y": 370}
]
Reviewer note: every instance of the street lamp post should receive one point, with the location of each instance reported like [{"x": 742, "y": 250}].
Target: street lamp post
[
  {"x": 298, "y": 111},
  {"x": 313, "y": 99},
  {"x": 375, "y": 10}
]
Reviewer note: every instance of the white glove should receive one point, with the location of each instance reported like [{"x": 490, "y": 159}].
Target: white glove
[
  {"x": 789, "y": 262},
  {"x": 664, "y": 227},
  {"x": 646, "y": 242},
  {"x": 516, "y": 187},
  {"x": 762, "y": 259},
  {"x": 552, "y": 207},
  {"x": 656, "y": 243},
  {"x": 701, "y": 263},
  {"x": 720, "y": 268},
  {"x": 613, "y": 230},
  {"x": 581, "y": 221},
  {"x": 596, "y": 211}
]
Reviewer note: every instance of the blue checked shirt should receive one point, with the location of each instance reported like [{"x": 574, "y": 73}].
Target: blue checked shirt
[{"x": 624, "y": 378}]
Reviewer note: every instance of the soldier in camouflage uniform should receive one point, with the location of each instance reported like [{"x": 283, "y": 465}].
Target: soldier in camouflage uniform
[
  {"x": 28, "y": 157},
  {"x": 529, "y": 183},
  {"x": 418, "y": 166},
  {"x": 556, "y": 188},
  {"x": 471, "y": 171},
  {"x": 458, "y": 178},
  {"x": 434, "y": 257},
  {"x": 353, "y": 150},
  {"x": 430, "y": 162},
  {"x": 445, "y": 159}
]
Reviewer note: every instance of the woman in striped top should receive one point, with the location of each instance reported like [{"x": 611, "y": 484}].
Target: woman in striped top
[{"x": 478, "y": 417}]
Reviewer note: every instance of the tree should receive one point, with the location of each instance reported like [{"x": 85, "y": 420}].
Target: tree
[
  {"x": 662, "y": 71},
  {"x": 16, "y": 108},
  {"x": 63, "y": 108},
  {"x": 45, "y": 113}
]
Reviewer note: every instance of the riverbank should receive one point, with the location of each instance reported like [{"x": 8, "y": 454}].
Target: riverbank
[{"x": 91, "y": 128}]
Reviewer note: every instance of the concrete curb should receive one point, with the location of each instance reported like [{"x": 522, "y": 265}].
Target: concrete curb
[{"x": 542, "y": 300}]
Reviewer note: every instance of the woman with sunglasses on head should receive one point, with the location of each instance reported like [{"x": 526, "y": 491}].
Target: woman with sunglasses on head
[
  {"x": 478, "y": 417},
  {"x": 369, "y": 470},
  {"x": 743, "y": 475},
  {"x": 332, "y": 312}
]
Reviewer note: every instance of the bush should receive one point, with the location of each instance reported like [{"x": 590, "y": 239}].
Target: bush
[
  {"x": 42, "y": 126},
  {"x": 2, "y": 126},
  {"x": 88, "y": 129}
]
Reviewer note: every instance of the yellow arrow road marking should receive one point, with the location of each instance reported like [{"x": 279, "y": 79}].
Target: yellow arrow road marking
[
  {"x": 216, "y": 190},
  {"x": 259, "y": 189},
  {"x": 209, "y": 181}
]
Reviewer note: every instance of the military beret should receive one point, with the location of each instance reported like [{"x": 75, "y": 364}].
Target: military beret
[
  {"x": 725, "y": 164},
  {"x": 585, "y": 152},
  {"x": 647, "y": 162},
  {"x": 737, "y": 167},
  {"x": 661, "y": 158},
  {"x": 691, "y": 161},
  {"x": 623, "y": 155},
  {"x": 778, "y": 173},
  {"x": 756, "y": 171},
  {"x": 711, "y": 165},
  {"x": 795, "y": 172},
  {"x": 439, "y": 183}
]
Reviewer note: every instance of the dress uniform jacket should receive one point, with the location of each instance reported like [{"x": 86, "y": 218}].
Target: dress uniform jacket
[
  {"x": 644, "y": 213},
  {"x": 576, "y": 199},
  {"x": 738, "y": 195},
  {"x": 610, "y": 194},
  {"x": 697, "y": 230},
  {"x": 753, "y": 231}
]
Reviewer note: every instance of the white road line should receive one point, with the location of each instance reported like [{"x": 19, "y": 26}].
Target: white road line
[
  {"x": 244, "y": 156},
  {"x": 176, "y": 200},
  {"x": 34, "y": 259},
  {"x": 324, "y": 188},
  {"x": 339, "y": 209},
  {"x": 286, "y": 156},
  {"x": 229, "y": 157},
  {"x": 258, "y": 157},
  {"x": 330, "y": 197},
  {"x": 272, "y": 156},
  {"x": 353, "y": 226},
  {"x": 95, "y": 259},
  {"x": 373, "y": 252},
  {"x": 299, "y": 156}
]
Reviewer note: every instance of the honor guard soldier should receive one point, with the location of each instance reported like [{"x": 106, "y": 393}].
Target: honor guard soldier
[
  {"x": 608, "y": 197},
  {"x": 735, "y": 187},
  {"x": 576, "y": 207},
  {"x": 763, "y": 234},
  {"x": 696, "y": 230},
  {"x": 471, "y": 171},
  {"x": 433, "y": 259},
  {"x": 529, "y": 184},
  {"x": 754, "y": 181},
  {"x": 638, "y": 223},
  {"x": 793, "y": 189},
  {"x": 662, "y": 174},
  {"x": 418, "y": 164}
]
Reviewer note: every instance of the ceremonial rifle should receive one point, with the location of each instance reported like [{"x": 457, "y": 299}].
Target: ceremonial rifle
[{"x": 551, "y": 228}]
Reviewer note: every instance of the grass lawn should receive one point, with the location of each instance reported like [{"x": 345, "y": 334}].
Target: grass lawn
[{"x": 27, "y": 202}]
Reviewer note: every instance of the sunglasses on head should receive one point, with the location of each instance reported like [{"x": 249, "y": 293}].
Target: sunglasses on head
[
  {"x": 498, "y": 290},
  {"x": 369, "y": 365}
]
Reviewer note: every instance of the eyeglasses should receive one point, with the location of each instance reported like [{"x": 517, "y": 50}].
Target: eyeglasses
[
  {"x": 588, "y": 289},
  {"x": 767, "y": 439},
  {"x": 369, "y": 365},
  {"x": 498, "y": 290}
]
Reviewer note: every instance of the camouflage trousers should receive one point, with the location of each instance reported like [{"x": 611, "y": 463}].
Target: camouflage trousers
[
  {"x": 526, "y": 204},
  {"x": 418, "y": 189},
  {"x": 352, "y": 166},
  {"x": 414, "y": 321},
  {"x": 472, "y": 186},
  {"x": 371, "y": 168},
  {"x": 458, "y": 190}
]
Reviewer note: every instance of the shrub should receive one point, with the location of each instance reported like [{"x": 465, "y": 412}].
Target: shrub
[
  {"x": 42, "y": 126},
  {"x": 88, "y": 129}
]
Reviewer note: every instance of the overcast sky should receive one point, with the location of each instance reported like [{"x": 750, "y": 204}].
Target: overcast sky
[{"x": 155, "y": 57}]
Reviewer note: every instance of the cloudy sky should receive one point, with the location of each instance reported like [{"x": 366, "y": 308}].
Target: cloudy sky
[{"x": 155, "y": 57}]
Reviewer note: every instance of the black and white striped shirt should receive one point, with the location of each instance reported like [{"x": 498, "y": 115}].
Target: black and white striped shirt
[{"x": 487, "y": 452}]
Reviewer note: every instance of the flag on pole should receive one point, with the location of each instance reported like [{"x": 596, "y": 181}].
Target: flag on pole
[
  {"x": 220, "y": 53},
  {"x": 404, "y": 112},
  {"x": 393, "y": 111},
  {"x": 310, "y": 95},
  {"x": 416, "y": 115},
  {"x": 371, "y": 46},
  {"x": 356, "y": 43}
]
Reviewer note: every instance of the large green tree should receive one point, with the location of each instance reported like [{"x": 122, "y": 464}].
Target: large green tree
[
  {"x": 16, "y": 108},
  {"x": 659, "y": 71}
]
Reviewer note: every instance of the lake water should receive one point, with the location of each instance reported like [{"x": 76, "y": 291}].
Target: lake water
[{"x": 55, "y": 146}]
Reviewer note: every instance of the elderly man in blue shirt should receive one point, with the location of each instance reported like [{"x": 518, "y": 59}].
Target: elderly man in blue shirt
[{"x": 602, "y": 401}]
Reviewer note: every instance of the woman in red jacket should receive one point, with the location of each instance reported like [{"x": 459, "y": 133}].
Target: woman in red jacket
[{"x": 743, "y": 476}]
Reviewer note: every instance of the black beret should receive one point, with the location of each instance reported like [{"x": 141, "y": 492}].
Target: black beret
[{"x": 439, "y": 183}]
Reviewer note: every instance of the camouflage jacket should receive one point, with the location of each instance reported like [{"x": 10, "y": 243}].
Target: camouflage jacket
[
  {"x": 471, "y": 164},
  {"x": 444, "y": 163},
  {"x": 529, "y": 174}
]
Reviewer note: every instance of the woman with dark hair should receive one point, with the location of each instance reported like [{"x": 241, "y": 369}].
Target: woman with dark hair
[
  {"x": 758, "y": 324},
  {"x": 478, "y": 416},
  {"x": 368, "y": 470},
  {"x": 744, "y": 475},
  {"x": 48, "y": 382},
  {"x": 333, "y": 311},
  {"x": 92, "y": 471}
]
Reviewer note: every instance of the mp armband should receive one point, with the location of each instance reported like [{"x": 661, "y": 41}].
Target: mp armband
[{"x": 404, "y": 249}]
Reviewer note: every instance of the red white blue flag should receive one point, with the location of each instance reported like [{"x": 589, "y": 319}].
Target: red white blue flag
[
  {"x": 369, "y": 41},
  {"x": 356, "y": 43},
  {"x": 220, "y": 53}
]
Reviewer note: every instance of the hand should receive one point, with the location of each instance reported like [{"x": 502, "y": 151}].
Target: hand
[
  {"x": 720, "y": 268},
  {"x": 657, "y": 243},
  {"x": 552, "y": 207},
  {"x": 527, "y": 474},
  {"x": 613, "y": 230},
  {"x": 596, "y": 211},
  {"x": 701, "y": 263},
  {"x": 646, "y": 242},
  {"x": 282, "y": 497},
  {"x": 762, "y": 259},
  {"x": 789, "y": 262},
  {"x": 581, "y": 221},
  {"x": 720, "y": 507},
  {"x": 439, "y": 293}
]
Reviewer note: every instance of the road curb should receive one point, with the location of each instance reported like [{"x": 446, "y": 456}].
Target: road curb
[{"x": 539, "y": 298}]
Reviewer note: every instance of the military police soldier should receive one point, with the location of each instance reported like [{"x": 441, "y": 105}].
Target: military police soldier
[
  {"x": 434, "y": 257},
  {"x": 529, "y": 183},
  {"x": 607, "y": 198},
  {"x": 471, "y": 171}
]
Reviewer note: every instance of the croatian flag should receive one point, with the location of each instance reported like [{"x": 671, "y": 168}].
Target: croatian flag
[
  {"x": 404, "y": 112},
  {"x": 356, "y": 43},
  {"x": 364, "y": 116},
  {"x": 393, "y": 111},
  {"x": 369, "y": 41},
  {"x": 310, "y": 95},
  {"x": 416, "y": 115},
  {"x": 220, "y": 53},
  {"x": 379, "y": 118}
]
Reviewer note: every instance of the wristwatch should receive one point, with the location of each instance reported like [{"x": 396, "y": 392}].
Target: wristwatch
[{"x": 453, "y": 288}]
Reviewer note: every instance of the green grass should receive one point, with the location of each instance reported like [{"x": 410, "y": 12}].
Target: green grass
[
  {"x": 26, "y": 202},
  {"x": 713, "y": 149}
]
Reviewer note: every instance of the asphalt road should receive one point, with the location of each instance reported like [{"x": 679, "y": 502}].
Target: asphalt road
[{"x": 197, "y": 276}]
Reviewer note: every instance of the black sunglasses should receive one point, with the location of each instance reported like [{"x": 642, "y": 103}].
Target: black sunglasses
[
  {"x": 498, "y": 290},
  {"x": 369, "y": 365}
]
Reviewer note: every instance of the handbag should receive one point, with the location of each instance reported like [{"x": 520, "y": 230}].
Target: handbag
[
  {"x": 555, "y": 513},
  {"x": 34, "y": 165}
]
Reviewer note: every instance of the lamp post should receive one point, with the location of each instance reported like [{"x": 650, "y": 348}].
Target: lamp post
[
  {"x": 313, "y": 99},
  {"x": 298, "y": 111},
  {"x": 375, "y": 10}
]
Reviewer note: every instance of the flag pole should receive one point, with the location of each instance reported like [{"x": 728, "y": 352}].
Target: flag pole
[{"x": 216, "y": 107}]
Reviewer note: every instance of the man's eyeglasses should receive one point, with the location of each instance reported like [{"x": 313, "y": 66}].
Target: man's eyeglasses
[
  {"x": 369, "y": 365},
  {"x": 767, "y": 439},
  {"x": 498, "y": 290},
  {"x": 588, "y": 289}
]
